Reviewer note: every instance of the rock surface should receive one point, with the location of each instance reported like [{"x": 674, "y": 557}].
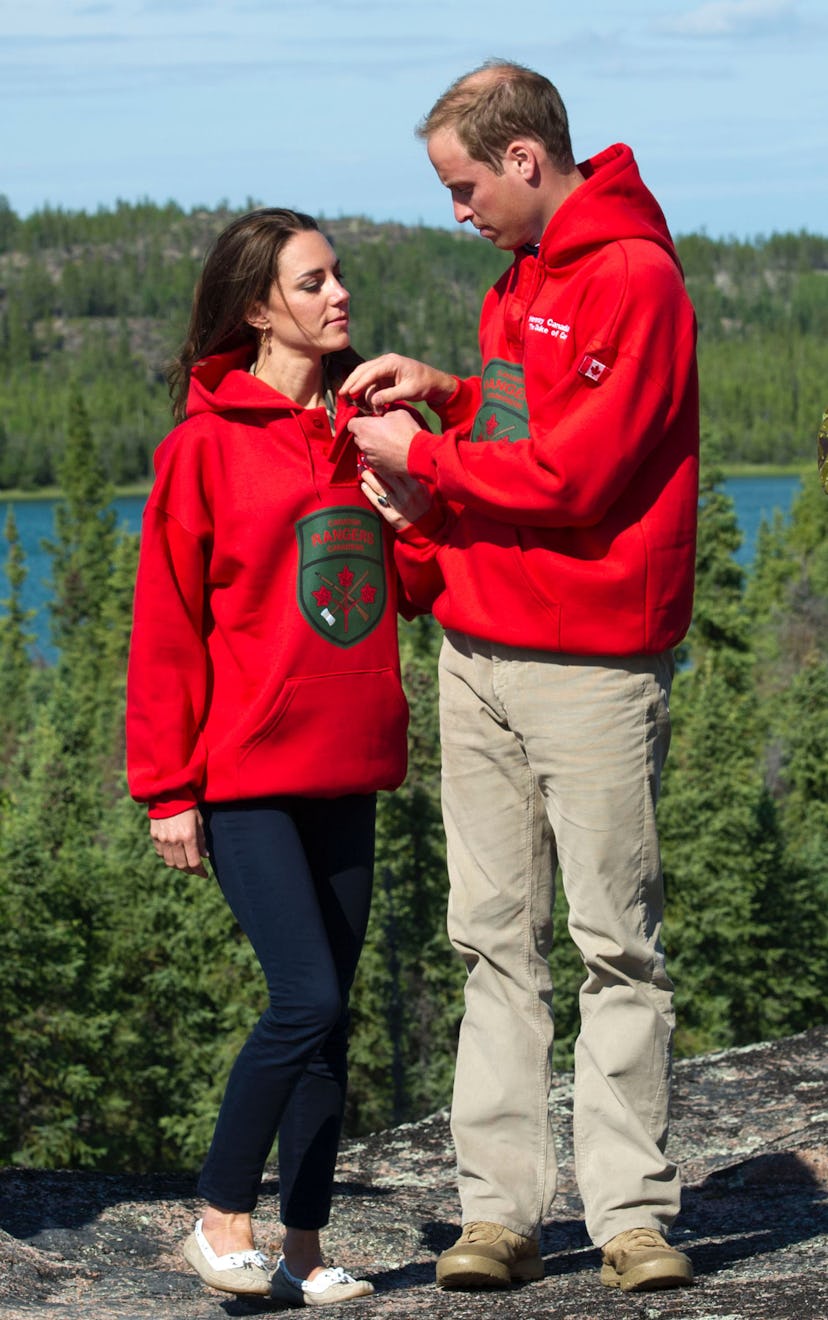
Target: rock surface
[{"x": 750, "y": 1130}]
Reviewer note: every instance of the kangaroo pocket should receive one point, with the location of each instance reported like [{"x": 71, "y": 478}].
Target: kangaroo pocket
[{"x": 328, "y": 735}]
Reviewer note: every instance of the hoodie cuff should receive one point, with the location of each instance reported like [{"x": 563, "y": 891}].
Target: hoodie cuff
[
  {"x": 420, "y": 458},
  {"x": 170, "y": 805},
  {"x": 430, "y": 527},
  {"x": 461, "y": 406}
]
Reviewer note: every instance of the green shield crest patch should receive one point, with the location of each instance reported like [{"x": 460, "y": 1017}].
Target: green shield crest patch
[
  {"x": 503, "y": 414},
  {"x": 341, "y": 588}
]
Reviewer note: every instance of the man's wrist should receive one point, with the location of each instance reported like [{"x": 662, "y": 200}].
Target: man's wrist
[{"x": 441, "y": 391}]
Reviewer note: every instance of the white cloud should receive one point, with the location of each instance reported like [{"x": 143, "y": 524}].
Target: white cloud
[
  {"x": 315, "y": 101},
  {"x": 728, "y": 18}
]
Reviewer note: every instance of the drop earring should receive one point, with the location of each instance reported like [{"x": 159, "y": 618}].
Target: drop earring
[{"x": 263, "y": 349}]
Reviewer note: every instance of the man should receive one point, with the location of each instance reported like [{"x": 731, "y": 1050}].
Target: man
[{"x": 569, "y": 474}]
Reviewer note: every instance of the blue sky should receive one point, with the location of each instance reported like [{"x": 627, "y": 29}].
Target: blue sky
[{"x": 313, "y": 103}]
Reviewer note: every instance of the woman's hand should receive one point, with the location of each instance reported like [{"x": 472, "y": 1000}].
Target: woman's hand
[
  {"x": 179, "y": 841},
  {"x": 400, "y": 499}
]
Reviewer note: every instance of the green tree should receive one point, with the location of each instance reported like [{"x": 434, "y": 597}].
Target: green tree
[
  {"x": 407, "y": 998},
  {"x": 795, "y": 909},
  {"x": 9, "y": 225},
  {"x": 56, "y": 1009},
  {"x": 84, "y": 545},
  {"x": 721, "y": 855},
  {"x": 720, "y": 628},
  {"x": 15, "y": 665},
  {"x": 719, "y": 839}
]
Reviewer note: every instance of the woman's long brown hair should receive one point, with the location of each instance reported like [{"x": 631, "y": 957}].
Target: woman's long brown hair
[{"x": 238, "y": 271}]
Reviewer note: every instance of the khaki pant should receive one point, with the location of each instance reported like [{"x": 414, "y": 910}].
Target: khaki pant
[{"x": 551, "y": 758}]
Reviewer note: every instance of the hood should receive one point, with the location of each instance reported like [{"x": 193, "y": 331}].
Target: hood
[
  {"x": 611, "y": 204},
  {"x": 223, "y": 383}
]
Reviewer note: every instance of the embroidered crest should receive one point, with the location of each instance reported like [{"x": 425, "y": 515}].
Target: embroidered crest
[
  {"x": 503, "y": 414},
  {"x": 341, "y": 586}
]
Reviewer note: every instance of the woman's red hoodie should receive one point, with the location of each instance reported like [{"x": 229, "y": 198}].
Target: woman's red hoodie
[{"x": 264, "y": 650}]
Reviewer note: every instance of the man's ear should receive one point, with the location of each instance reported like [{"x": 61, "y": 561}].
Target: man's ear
[{"x": 522, "y": 156}]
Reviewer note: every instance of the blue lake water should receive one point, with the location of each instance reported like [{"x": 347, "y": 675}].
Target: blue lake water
[
  {"x": 35, "y": 523},
  {"x": 754, "y": 498}
]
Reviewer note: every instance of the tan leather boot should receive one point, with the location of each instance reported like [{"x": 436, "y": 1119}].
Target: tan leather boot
[
  {"x": 640, "y": 1259},
  {"x": 489, "y": 1256}
]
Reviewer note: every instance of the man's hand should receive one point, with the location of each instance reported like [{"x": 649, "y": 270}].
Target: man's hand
[
  {"x": 392, "y": 379},
  {"x": 179, "y": 841},
  {"x": 385, "y": 441}
]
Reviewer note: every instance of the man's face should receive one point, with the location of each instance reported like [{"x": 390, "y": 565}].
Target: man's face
[{"x": 500, "y": 206}]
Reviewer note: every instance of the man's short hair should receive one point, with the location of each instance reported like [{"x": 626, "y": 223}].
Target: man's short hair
[{"x": 496, "y": 103}]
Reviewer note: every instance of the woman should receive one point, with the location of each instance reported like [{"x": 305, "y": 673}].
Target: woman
[{"x": 265, "y": 707}]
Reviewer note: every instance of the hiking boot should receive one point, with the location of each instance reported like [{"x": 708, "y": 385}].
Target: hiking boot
[
  {"x": 640, "y": 1259},
  {"x": 489, "y": 1256}
]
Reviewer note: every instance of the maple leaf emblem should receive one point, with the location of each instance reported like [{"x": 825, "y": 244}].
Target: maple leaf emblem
[
  {"x": 345, "y": 577},
  {"x": 492, "y": 424},
  {"x": 368, "y": 594},
  {"x": 322, "y": 596}
]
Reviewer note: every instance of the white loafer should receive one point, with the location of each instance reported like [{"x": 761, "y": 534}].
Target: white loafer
[
  {"x": 236, "y": 1272},
  {"x": 332, "y": 1285}
]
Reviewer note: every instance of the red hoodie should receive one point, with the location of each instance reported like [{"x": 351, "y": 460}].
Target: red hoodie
[
  {"x": 577, "y": 514},
  {"x": 264, "y": 651}
]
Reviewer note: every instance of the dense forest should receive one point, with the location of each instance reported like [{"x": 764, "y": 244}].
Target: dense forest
[
  {"x": 101, "y": 301},
  {"x": 125, "y": 990}
]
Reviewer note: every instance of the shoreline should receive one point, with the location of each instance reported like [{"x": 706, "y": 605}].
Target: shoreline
[
  {"x": 14, "y": 496},
  {"x": 142, "y": 488}
]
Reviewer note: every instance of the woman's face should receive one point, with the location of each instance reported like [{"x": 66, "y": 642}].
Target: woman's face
[{"x": 307, "y": 309}]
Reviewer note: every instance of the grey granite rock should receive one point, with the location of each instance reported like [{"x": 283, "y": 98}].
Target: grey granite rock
[{"x": 750, "y": 1129}]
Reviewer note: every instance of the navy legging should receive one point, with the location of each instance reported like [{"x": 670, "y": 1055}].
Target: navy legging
[{"x": 297, "y": 875}]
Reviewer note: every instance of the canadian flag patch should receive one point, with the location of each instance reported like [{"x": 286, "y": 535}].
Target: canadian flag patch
[{"x": 592, "y": 369}]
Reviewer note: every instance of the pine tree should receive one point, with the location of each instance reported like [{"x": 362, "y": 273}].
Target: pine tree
[
  {"x": 15, "y": 665},
  {"x": 85, "y": 537},
  {"x": 788, "y": 599},
  {"x": 795, "y": 908},
  {"x": 720, "y": 625},
  {"x": 721, "y": 855},
  {"x": 407, "y": 997},
  {"x": 53, "y": 874},
  {"x": 184, "y": 989},
  {"x": 719, "y": 837}
]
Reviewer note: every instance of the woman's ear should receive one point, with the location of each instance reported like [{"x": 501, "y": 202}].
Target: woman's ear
[{"x": 256, "y": 315}]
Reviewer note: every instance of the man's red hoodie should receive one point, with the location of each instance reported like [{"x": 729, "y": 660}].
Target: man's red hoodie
[
  {"x": 264, "y": 651},
  {"x": 573, "y": 462}
]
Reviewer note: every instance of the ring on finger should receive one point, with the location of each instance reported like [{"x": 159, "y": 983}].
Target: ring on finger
[{"x": 384, "y": 501}]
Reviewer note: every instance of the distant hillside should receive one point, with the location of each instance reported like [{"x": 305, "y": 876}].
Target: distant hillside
[{"x": 102, "y": 299}]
